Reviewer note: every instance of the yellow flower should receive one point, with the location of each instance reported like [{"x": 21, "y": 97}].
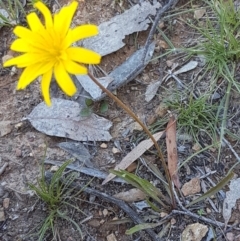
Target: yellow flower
[{"x": 47, "y": 49}]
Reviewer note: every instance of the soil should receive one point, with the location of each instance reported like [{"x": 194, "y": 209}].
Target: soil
[{"x": 23, "y": 148}]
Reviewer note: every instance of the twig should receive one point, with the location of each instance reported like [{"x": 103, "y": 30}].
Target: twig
[
  {"x": 121, "y": 204},
  {"x": 2, "y": 169},
  {"x": 207, "y": 220},
  {"x": 159, "y": 14},
  {"x": 144, "y": 59},
  {"x": 188, "y": 213}
]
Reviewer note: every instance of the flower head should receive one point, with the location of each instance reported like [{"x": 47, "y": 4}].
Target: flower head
[{"x": 46, "y": 49}]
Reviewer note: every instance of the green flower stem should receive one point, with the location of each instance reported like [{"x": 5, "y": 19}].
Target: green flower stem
[{"x": 130, "y": 112}]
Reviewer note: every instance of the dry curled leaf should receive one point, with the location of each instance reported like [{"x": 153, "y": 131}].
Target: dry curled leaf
[{"x": 172, "y": 151}]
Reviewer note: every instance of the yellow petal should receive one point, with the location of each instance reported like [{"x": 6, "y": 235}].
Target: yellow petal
[
  {"x": 74, "y": 68},
  {"x": 30, "y": 37},
  {"x": 80, "y": 32},
  {"x": 63, "y": 19},
  {"x": 20, "y": 45},
  {"x": 82, "y": 55},
  {"x": 27, "y": 59},
  {"x": 30, "y": 73},
  {"x": 46, "y": 13},
  {"x": 22, "y": 32},
  {"x": 63, "y": 79},
  {"x": 34, "y": 22},
  {"x": 45, "y": 85}
]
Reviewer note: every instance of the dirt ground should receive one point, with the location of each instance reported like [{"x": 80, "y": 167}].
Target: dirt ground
[{"x": 23, "y": 148}]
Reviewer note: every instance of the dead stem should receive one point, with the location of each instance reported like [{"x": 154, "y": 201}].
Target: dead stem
[{"x": 130, "y": 112}]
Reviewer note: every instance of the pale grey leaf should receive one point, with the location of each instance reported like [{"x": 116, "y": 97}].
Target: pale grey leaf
[
  {"x": 88, "y": 171},
  {"x": 151, "y": 90},
  {"x": 187, "y": 67},
  {"x": 63, "y": 119},
  {"x": 112, "y": 33},
  {"x": 78, "y": 150},
  {"x": 120, "y": 76},
  {"x": 91, "y": 87},
  {"x": 231, "y": 197}
]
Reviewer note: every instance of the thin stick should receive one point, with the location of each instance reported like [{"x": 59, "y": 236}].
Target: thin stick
[
  {"x": 2, "y": 169},
  {"x": 122, "y": 105},
  {"x": 159, "y": 14},
  {"x": 188, "y": 213}
]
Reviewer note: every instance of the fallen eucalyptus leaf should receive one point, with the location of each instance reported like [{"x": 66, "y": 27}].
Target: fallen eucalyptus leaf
[
  {"x": 86, "y": 170},
  {"x": 172, "y": 154},
  {"x": 187, "y": 67},
  {"x": 151, "y": 90},
  {"x": 134, "y": 155},
  {"x": 91, "y": 87},
  {"x": 231, "y": 197},
  {"x": 131, "y": 195},
  {"x": 63, "y": 119},
  {"x": 112, "y": 33}
]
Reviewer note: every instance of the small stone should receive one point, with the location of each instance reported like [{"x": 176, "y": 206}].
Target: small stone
[
  {"x": 105, "y": 212},
  {"x": 208, "y": 210},
  {"x": 230, "y": 236},
  {"x": 18, "y": 152},
  {"x": 115, "y": 150},
  {"x": 132, "y": 167},
  {"x": 173, "y": 221},
  {"x": 194, "y": 232},
  {"x": 102, "y": 221},
  {"x": 54, "y": 168},
  {"x": 135, "y": 126},
  {"x": 162, "y": 44},
  {"x": 198, "y": 13},
  {"x": 13, "y": 71},
  {"x": 2, "y": 215},
  {"x": 103, "y": 146},
  {"x": 191, "y": 187},
  {"x": 163, "y": 214},
  {"x": 6, "y": 202},
  {"x": 6, "y": 57},
  {"x": 111, "y": 237},
  {"x": 5, "y": 128},
  {"x": 94, "y": 223},
  {"x": 196, "y": 147},
  {"x": 161, "y": 25},
  {"x": 117, "y": 119},
  {"x": 18, "y": 125},
  {"x": 169, "y": 63},
  {"x": 161, "y": 110}
]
